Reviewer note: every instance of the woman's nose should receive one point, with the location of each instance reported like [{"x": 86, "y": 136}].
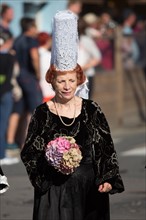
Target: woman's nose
[{"x": 66, "y": 86}]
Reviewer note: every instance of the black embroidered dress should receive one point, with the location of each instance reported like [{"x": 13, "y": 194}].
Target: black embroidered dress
[{"x": 74, "y": 196}]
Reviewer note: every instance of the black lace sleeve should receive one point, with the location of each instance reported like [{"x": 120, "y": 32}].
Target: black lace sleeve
[
  {"x": 32, "y": 153},
  {"x": 105, "y": 160}
]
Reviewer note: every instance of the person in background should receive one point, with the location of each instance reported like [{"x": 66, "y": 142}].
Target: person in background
[
  {"x": 129, "y": 21},
  {"x": 89, "y": 55},
  {"x": 129, "y": 18},
  {"x": 6, "y": 17},
  {"x": 75, "y": 6},
  {"x": 26, "y": 47},
  {"x": 93, "y": 29},
  {"x": 129, "y": 49},
  {"x": 7, "y": 68},
  {"x": 45, "y": 40},
  {"x": 4, "y": 185},
  {"x": 140, "y": 36},
  {"x": 106, "y": 41},
  {"x": 108, "y": 25},
  {"x": 68, "y": 152}
]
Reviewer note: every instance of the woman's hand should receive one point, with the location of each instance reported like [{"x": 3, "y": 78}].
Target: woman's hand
[{"x": 105, "y": 187}]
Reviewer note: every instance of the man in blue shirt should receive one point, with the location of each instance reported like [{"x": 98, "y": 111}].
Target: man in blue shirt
[{"x": 26, "y": 47}]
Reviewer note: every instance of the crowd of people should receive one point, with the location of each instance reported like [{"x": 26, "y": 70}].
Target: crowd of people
[{"x": 22, "y": 82}]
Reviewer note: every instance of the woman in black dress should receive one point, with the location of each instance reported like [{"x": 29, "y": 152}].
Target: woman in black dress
[{"x": 83, "y": 194}]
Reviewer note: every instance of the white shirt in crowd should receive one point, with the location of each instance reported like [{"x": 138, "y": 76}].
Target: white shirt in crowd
[{"x": 87, "y": 51}]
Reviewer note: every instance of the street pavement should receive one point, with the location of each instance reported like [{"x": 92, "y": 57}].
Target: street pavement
[
  {"x": 17, "y": 202},
  {"x": 131, "y": 148}
]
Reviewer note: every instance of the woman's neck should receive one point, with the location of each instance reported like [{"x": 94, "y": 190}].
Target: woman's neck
[
  {"x": 67, "y": 109},
  {"x": 65, "y": 103}
]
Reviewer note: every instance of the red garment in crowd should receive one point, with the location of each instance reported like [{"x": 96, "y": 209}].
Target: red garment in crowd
[{"x": 106, "y": 49}]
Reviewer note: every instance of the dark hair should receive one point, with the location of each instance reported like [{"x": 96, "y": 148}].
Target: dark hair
[
  {"x": 127, "y": 13},
  {"x": 26, "y": 23},
  {"x": 82, "y": 25},
  {"x": 52, "y": 72},
  {"x": 4, "y": 8}
]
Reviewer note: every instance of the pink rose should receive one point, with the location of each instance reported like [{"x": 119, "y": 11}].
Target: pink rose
[{"x": 63, "y": 144}]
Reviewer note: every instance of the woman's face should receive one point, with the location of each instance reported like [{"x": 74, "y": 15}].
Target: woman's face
[{"x": 65, "y": 85}]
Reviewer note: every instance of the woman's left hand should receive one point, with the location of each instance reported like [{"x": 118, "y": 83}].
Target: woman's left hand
[{"x": 105, "y": 187}]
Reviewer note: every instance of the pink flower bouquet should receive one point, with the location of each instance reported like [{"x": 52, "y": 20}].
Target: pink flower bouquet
[{"x": 63, "y": 154}]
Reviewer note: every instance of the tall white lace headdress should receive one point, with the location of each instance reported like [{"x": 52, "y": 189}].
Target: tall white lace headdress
[{"x": 64, "y": 51}]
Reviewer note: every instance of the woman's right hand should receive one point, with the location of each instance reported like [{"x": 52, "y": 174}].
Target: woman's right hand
[{"x": 105, "y": 187}]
